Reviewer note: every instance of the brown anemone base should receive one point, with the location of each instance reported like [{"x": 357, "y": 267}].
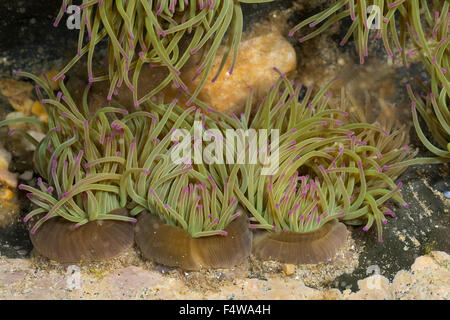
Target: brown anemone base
[
  {"x": 301, "y": 248},
  {"x": 97, "y": 240},
  {"x": 174, "y": 247}
]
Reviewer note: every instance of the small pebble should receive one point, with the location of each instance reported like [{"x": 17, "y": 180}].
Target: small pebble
[
  {"x": 447, "y": 194},
  {"x": 22, "y": 252},
  {"x": 27, "y": 175},
  {"x": 5, "y": 158},
  {"x": 8, "y": 178},
  {"x": 49, "y": 75},
  {"x": 288, "y": 269},
  {"x": 6, "y": 194}
]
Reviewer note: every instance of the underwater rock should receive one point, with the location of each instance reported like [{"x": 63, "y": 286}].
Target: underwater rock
[
  {"x": 48, "y": 76},
  {"x": 20, "y": 278},
  {"x": 301, "y": 248},
  {"x": 27, "y": 175},
  {"x": 37, "y": 135},
  {"x": 173, "y": 246},
  {"x": 5, "y": 158},
  {"x": 9, "y": 207},
  {"x": 21, "y": 99},
  {"x": 18, "y": 94},
  {"x": 21, "y": 146},
  {"x": 228, "y": 93},
  {"x": 429, "y": 278},
  {"x": 7, "y": 178},
  {"x": 254, "y": 69},
  {"x": 18, "y": 125},
  {"x": 288, "y": 269},
  {"x": 375, "y": 287},
  {"x": 38, "y": 110},
  {"x": 58, "y": 240}
]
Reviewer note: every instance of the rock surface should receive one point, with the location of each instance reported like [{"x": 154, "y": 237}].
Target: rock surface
[{"x": 428, "y": 278}]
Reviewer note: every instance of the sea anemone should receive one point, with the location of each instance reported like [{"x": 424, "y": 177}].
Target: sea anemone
[
  {"x": 81, "y": 162},
  {"x": 108, "y": 164},
  {"x": 188, "y": 213},
  {"x": 205, "y": 234},
  {"x": 333, "y": 166},
  {"x": 152, "y": 32}
]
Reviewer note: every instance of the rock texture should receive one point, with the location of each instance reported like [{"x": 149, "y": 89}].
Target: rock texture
[{"x": 429, "y": 278}]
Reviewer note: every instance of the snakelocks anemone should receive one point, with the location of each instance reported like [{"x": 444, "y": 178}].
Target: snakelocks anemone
[
  {"x": 165, "y": 33},
  {"x": 188, "y": 213},
  {"x": 333, "y": 166},
  {"x": 81, "y": 161},
  {"x": 99, "y": 168}
]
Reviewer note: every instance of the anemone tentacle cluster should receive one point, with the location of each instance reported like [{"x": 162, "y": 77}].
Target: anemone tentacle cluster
[
  {"x": 333, "y": 166},
  {"x": 81, "y": 160},
  {"x": 110, "y": 164},
  {"x": 381, "y": 17},
  {"x": 434, "y": 53},
  {"x": 429, "y": 41},
  {"x": 196, "y": 197},
  {"x": 142, "y": 33}
]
